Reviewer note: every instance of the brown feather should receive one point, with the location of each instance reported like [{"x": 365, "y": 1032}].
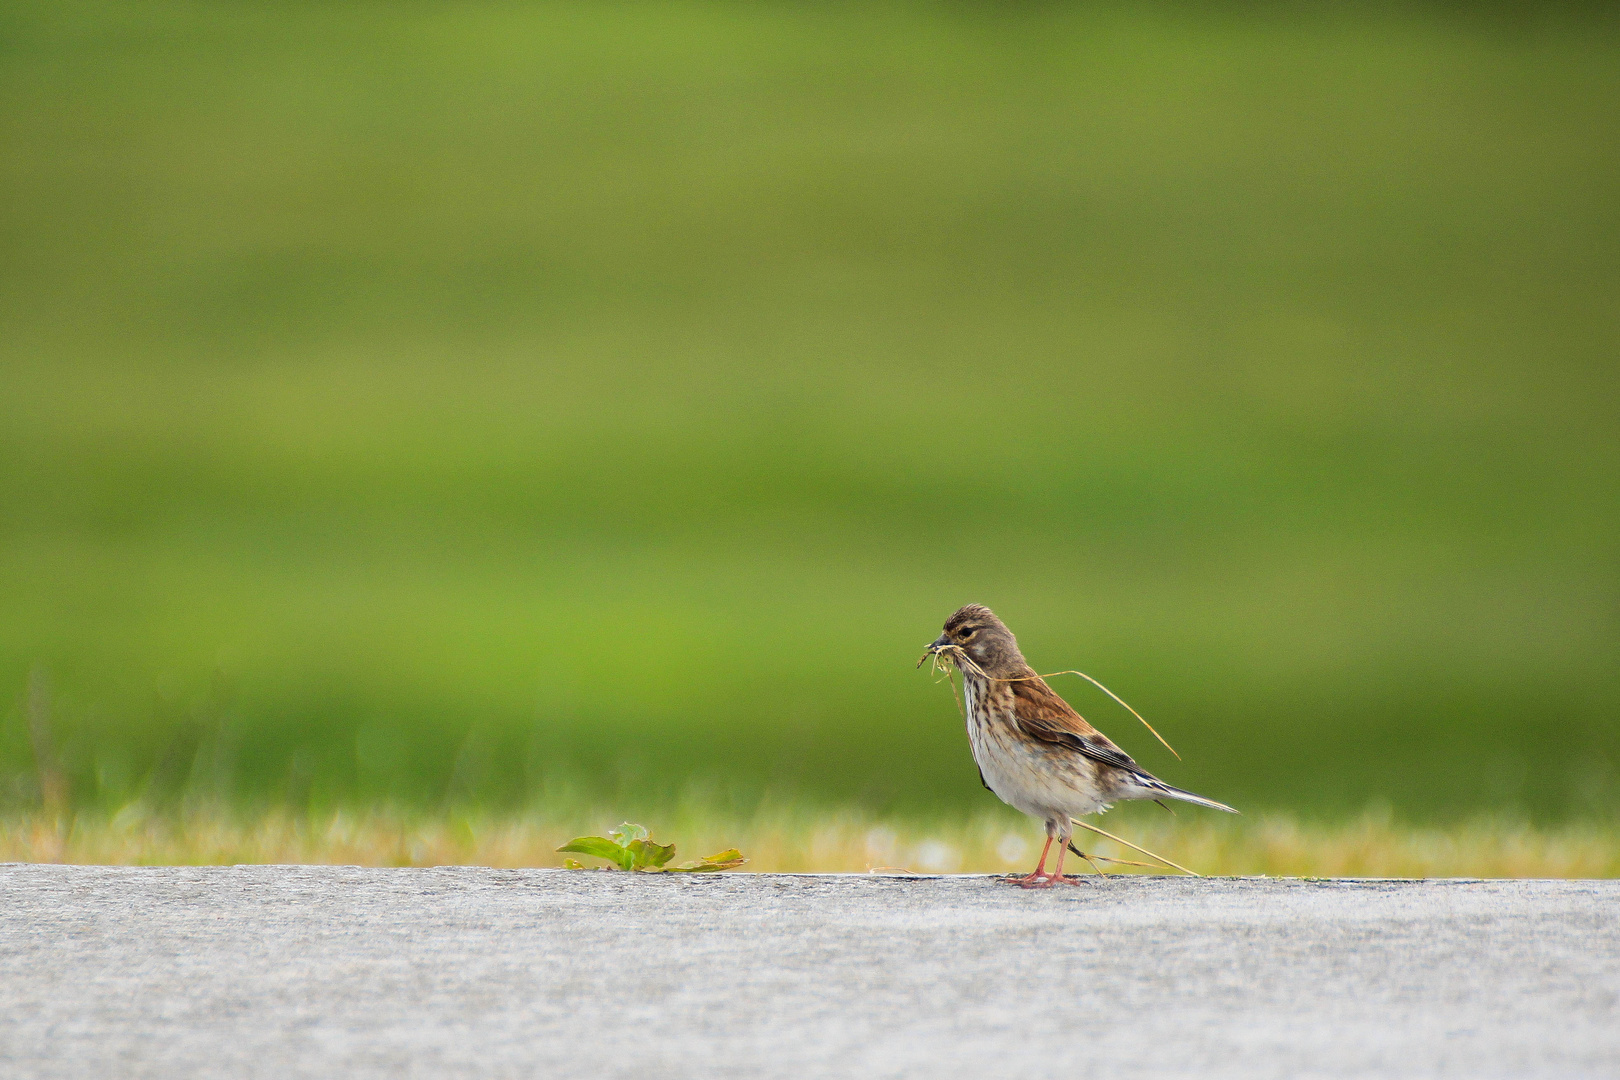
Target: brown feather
[
  {"x": 1045, "y": 716},
  {"x": 1040, "y": 709}
]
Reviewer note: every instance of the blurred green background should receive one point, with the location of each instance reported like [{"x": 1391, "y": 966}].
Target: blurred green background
[{"x": 465, "y": 403}]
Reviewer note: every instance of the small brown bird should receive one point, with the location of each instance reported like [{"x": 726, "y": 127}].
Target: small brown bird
[{"x": 1033, "y": 751}]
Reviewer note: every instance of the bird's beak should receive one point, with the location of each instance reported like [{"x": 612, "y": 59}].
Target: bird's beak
[{"x": 939, "y": 643}]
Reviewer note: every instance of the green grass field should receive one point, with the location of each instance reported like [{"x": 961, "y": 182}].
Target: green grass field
[
  {"x": 462, "y": 407},
  {"x": 797, "y": 838}
]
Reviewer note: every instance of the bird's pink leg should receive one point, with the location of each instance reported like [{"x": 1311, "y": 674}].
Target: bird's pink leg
[
  {"x": 1038, "y": 879},
  {"x": 1057, "y": 873}
]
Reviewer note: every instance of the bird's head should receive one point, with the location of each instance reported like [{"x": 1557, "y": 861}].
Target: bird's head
[{"x": 984, "y": 638}]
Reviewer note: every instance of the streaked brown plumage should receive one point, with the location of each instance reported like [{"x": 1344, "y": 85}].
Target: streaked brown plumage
[{"x": 1033, "y": 751}]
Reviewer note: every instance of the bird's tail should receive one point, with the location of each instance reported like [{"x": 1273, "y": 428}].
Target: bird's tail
[{"x": 1154, "y": 788}]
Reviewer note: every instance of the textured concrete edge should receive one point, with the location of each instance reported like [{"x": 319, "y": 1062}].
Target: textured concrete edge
[{"x": 796, "y": 875}]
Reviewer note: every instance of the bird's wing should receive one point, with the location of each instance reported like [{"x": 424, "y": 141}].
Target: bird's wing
[{"x": 1045, "y": 716}]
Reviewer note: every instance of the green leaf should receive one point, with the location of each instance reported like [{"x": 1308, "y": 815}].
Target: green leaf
[
  {"x": 647, "y": 855},
  {"x": 573, "y": 864},
  {"x": 627, "y": 833},
  {"x": 629, "y": 848},
  {"x": 720, "y": 860},
  {"x": 602, "y": 848}
]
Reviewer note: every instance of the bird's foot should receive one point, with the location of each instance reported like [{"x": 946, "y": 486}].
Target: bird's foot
[
  {"x": 1037, "y": 880},
  {"x": 1062, "y": 879}
]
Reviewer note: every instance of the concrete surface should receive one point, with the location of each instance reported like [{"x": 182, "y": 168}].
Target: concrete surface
[{"x": 268, "y": 971}]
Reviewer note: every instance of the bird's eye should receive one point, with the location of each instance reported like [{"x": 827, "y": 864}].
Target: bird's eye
[{"x": 969, "y": 632}]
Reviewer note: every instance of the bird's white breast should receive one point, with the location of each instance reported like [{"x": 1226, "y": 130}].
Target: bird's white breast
[{"x": 1045, "y": 783}]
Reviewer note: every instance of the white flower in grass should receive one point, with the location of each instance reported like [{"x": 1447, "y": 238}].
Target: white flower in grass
[
  {"x": 937, "y": 857},
  {"x": 1013, "y": 848},
  {"x": 880, "y": 844}
]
